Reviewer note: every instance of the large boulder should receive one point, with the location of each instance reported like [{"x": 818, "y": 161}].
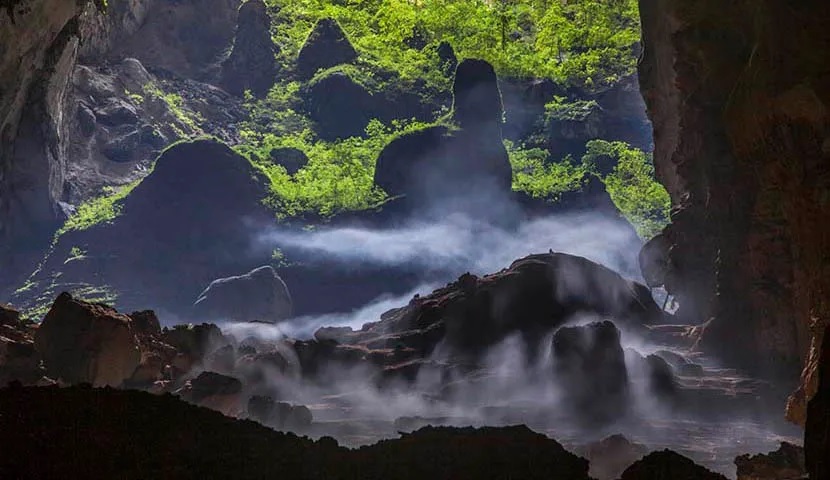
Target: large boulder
[
  {"x": 340, "y": 105},
  {"x": 668, "y": 465},
  {"x": 325, "y": 47},
  {"x": 84, "y": 342},
  {"x": 257, "y": 296},
  {"x": 252, "y": 64},
  {"x": 589, "y": 366}
]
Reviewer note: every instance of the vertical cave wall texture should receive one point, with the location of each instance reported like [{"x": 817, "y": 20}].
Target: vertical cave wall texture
[{"x": 738, "y": 93}]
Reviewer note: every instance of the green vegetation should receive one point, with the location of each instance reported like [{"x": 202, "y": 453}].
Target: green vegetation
[
  {"x": 105, "y": 208},
  {"x": 632, "y": 186},
  {"x": 583, "y": 42},
  {"x": 175, "y": 103},
  {"x": 339, "y": 176},
  {"x": 535, "y": 175}
]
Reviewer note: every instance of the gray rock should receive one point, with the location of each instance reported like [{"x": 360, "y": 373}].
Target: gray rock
[
  {"x": 117, "y": 112},
  {"x": 86, "y": 120},
  {"x": 257, "y": 296},
  {"x": 293, "y": 159},
  {"x": 133, "y": 75}
]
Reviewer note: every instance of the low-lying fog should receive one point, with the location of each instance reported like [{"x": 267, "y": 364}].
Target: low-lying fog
[{"x": 508, "y": 387}]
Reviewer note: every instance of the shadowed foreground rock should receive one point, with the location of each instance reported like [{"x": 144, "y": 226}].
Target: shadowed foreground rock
[
  {"x": 668, "y": 465},
  {"x": 104, "y": 433},
  {"x": 786, "y": 463},
  {"x": 85, "y": 342},
  {"x": 817, "y": 430}
]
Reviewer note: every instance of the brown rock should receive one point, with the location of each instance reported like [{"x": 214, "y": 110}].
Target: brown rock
[
  {"x": 786, "y": 463},
  {"x": 668, "y": 465},
  {"x": 742, "y": 152},
  {"x": 83, "y": 342}
]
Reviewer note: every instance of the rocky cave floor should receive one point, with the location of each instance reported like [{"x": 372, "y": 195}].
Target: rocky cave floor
[{"x": 609, "y": 392}]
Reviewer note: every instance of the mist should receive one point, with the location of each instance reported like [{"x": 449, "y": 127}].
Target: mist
[{"x": 459, "y": 243}]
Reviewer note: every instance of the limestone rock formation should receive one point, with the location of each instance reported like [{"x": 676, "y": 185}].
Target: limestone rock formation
[
  {"x": 429, "y": 163},
  {"x": 326, "y": 46},
  {"x": 257, "y": 296},
  {"x": 668, "y": 465},
  {"x": 534, "y": 296},
  {"x": 181, "y": 37},
  {"x": 589, "y": 364},
  {"x": 196, "y": 210},
  {"x": 742, "y": 150},
  {"x": 40, "y": 45},
  {"x": 82, "y": 342},
  {"x": 340, "y": 105},
  {"x": 786, "y": 463},
  {"x": 252, "y": 64}
]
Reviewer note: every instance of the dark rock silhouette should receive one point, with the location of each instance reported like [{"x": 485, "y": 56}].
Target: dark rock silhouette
[
  {"x": 340, "y": 105},
  {"x": 325, "y": 47},
  {"x": 279, "y": 414},
  {"x": 431, "y": 163},
  {"x": 258, "y": 296},
  {"x": 476, "y": 95},
  {"x": 668, "y": 465},
  {"x": 589, "y": 364},
  {"x": 105, "y": 433},
  {"x": 817, "y": 428},
  {"x": 293, "y": 159},
  {"x": 447, "y": 57},
  {"x": 252, "y": 64}
]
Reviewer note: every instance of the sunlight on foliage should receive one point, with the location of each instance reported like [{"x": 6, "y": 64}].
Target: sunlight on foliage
[
  {"x": 585, "y": 42},
  {"x": 339, "y": 176},
  {"x": 105, "y": 208},
  {"x": 632, "y": 186},
  {"x": 535, "y": 175}
]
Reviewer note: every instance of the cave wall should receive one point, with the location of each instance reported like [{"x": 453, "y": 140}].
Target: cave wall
[
  {"x": 39, "y": 44},
  {"x": 738, "y": 94}
]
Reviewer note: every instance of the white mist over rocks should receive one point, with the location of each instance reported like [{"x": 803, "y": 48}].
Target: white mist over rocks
[
  {"x": 460, "y": 243},
  {"x": 511, "y": 383}
]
